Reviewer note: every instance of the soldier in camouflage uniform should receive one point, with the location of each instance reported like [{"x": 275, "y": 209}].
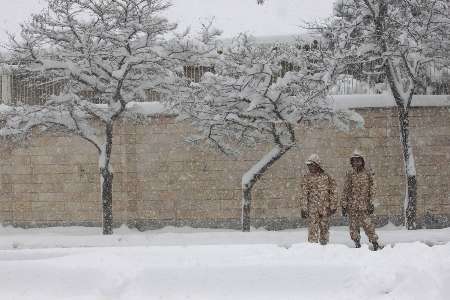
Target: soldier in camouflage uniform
[
  {"x": 319, "y": 201},
  {"x": 359, "y": 190}
]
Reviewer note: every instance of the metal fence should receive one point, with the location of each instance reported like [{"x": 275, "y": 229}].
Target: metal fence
[
  {"x": 20, "y": 89},
  {"x": 195, "y": 73},
  {"x": 367, "y": 79}
]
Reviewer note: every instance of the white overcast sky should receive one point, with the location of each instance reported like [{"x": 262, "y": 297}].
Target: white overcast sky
[{"x": 276, "y": 17}]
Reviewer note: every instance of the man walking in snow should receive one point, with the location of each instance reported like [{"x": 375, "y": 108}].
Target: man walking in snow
[
  {"x": 319, "y": 200},
  {"x": 359, "y": 189}
]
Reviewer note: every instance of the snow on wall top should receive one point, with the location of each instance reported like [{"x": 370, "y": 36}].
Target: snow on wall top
[
  {"x": 368, "y": 101},
  {"x": 339, "y": 101},
  {"x": 4, "y": 108},
  {"x": 146, "y": 108}
]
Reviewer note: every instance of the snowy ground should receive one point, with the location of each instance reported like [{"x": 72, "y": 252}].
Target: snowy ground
[{"x": 185, "y": 263}]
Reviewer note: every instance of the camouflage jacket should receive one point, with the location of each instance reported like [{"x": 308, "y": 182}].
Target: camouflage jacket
[
  {"x": 319, "y": 194},
  {"x": 359, "y": 190}
]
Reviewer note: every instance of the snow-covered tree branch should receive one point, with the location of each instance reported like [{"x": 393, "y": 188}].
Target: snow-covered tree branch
[
  {"x": 261, "y": 93},
  {"x": 401, "y": 39},
  {"x": 109, "y": 53}
]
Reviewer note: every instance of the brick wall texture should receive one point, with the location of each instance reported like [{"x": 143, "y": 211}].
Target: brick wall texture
[{"x": 160, "y": 180}]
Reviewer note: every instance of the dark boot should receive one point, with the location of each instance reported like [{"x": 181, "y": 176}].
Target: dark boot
[
  {"x": 375, "y": 246},
  {"x": 357, "y": 244}
]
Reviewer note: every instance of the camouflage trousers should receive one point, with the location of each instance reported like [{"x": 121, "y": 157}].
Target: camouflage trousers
[
  {"x": 358, "y": 219},
  {"x": 318, "y": 229}
]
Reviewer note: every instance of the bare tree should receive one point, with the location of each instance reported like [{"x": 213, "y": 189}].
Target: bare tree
[
  {"x": 108, "y": 53},
  {"x": 401, "y": 40},
  {"x": 261, "y": 93}
]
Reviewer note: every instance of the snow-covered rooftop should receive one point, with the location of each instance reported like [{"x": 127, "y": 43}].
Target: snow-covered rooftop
[{"x": 277, "y": 39}]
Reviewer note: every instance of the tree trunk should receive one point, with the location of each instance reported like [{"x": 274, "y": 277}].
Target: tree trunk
[
  {"x": 246, "y": 207},
  {"x": 107, "y": 181},
  {"x": 252, "y": 176},
  {"x": 410, "y": 205},
  {"x": 403, "y": 103}
]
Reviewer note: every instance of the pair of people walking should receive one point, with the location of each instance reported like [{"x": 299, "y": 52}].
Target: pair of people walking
[{"x": 319, "y": 200}]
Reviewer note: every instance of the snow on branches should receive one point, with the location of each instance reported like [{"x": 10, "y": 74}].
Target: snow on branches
[
  {"x": 108, "y": 53},
  {"x": 261, "y": 93},
  {"x": 399, "y": 41},
  {"x": 403, "y": 40}
]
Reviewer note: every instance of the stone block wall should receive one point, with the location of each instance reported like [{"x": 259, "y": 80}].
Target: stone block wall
[{"x": 160, "y": 180}]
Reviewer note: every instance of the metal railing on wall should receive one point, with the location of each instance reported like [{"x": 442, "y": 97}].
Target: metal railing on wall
[
  {"x": 35, "y": 90},
  {"x": 24, "y": 90},
  {"x": 19, "y": 89},
  {"x": 436, "y": 81}
]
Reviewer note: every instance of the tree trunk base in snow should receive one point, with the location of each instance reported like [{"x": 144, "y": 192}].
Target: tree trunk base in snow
[
  {"x": 410, "y": 211},
  {"x": 410, "y": 205},
  {"x": 107, "y": 201},
  {"x": 246, "y": 208}
]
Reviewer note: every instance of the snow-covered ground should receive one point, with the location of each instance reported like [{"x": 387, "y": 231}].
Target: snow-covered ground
[{"x": 185, "y": 263}]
